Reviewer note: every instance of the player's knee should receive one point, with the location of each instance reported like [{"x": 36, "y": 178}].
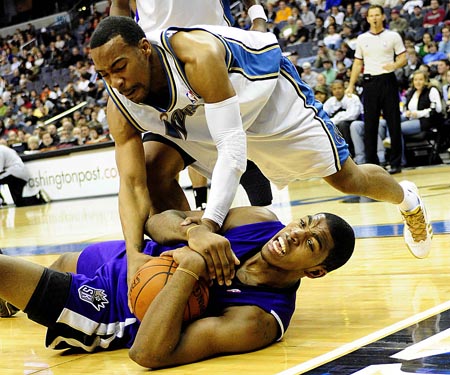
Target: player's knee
[{"x": 66, "y": 262}]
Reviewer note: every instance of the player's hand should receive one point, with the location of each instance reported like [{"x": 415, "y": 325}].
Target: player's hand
[
  {"x": 192, "y": 260},
  {"x": 134, "y": 262},
  {"x": 349, "y": 90},
  {"x": 216, "y": 250}
]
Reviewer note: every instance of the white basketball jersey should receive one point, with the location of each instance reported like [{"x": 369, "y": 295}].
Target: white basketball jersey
[
  {"x": 160, "y": 14},
  {"x": 289, "y": 136}
]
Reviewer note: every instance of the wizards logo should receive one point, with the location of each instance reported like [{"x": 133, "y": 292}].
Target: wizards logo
[{"x": 95, "y": 297}]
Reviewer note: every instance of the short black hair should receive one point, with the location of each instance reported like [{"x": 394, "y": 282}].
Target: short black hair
[
  {"x": 113, "y": 26},
  {"x": 344, "y": 242}
]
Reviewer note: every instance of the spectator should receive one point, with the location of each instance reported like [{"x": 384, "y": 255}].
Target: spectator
[
  {"x": 343, "y": 110},
  {"x": 14, "y": 173},
  {"x": 309, "y": 75},
  {"x": 415, "y": 21},
  {"x": 433, "y": 56},
  {"x": 282, "y": 13},
  {"x": 423, "y": 107},
  {"x": 321, "y": 93},
  {"x": 47, "y": 142},
  {"x": 323, "y": 54},
  {"x": 318, "y": 32},
  {"x": 422, "y": 48},
  {"x": 332, "y": 39},
  {"x": 434, "y": 17},
  {"x": 328, "y": 71},
  {"x": 357, "y": 135},
  {"x": 444, "y": 44},
  {"x": 397, "y": 22},
  {"x": 302, "y": 34},
  {"x": 32, "y": 145},
  {"x": 306, "y": 15}
]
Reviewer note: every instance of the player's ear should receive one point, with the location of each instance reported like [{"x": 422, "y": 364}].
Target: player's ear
[
  {"x": 145, "y": 46},
  {"x": 315, "y": 272}
]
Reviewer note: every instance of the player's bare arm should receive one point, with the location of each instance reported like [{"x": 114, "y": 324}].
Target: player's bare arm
[
  {"x": 120, "y": 8},
  {"x": 134, "y": 203},
  {"x": 259, "y": 18},
  {"x": 162, "y": 341}
]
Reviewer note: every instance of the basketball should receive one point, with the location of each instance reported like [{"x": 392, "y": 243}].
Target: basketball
[{"x": 151, "y": 278}]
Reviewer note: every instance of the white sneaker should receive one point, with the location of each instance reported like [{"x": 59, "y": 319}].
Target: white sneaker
[{"x": 417, "y": 231}]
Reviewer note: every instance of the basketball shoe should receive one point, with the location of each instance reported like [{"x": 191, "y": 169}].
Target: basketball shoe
[
  {"x": 6, "y": 309},
  {"x": 417, "y": 231}
]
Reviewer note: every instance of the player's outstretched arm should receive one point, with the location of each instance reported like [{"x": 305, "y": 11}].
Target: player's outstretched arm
[{"x": 162, "y": 341}]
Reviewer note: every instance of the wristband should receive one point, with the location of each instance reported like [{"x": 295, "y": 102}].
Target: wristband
[
  {"x": 256, "y": 11},
  {"x": 189, "y": 272},
  {"x": 189, "y": 229}
]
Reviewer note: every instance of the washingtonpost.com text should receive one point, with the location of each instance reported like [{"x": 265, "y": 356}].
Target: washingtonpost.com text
[{"x": 70, "y": 178}]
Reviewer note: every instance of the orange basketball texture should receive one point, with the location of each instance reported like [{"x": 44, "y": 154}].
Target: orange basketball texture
[{"x": 151, "y": 278}]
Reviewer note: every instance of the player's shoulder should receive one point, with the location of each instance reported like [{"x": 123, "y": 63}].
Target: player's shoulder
[{"x": 247, "y": 215}]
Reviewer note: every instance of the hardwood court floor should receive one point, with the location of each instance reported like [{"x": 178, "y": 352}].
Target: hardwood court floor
[{"x": 381, "y": 285}]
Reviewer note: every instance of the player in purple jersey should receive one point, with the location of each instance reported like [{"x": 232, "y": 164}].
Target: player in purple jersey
[{"x": 89, "y": 309}]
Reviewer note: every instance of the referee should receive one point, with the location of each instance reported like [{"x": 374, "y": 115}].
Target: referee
[{"x": 380, "y": 52}]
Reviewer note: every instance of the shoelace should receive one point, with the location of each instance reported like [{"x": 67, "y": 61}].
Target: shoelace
[{"x": 417, "y": 225}]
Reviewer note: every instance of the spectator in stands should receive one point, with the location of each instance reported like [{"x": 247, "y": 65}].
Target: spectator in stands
[
  {"x": 337, "y": 15},
  {"x": 423, "y": 107},
  {"x": 282, "y": 13},
  {"x": 332, "y": 39},
  {"x": 306, "y": 15},
  {"x": 290, "y": 29},
  {"x": 32, "y": 145},
  {"x": 302, "y": 34},
  {"x": 85, "y": 133},
  {"x": 328, "y": 71},
  {"x": 422, "y": 48},
  {"x": 53, "y": 130},
  {"x": 445, "y": 90},
  {"x": 433, "y": 56},
  {"x": 397, "y": 22},
  {"x": 323, "y": 54},
  {"x": 14, "y": 173},
  {"x": 444, "y": 44},
  {"x": 416, "y": 29},
  {"x": 4, "y": 109},
  {"x": 309, "y": 75},
  {"x": 434, "y": 17},
  {"x": 318, "y": 32},
  {"x": 47, "y": 142},
  {"x": 357, "y": 135},
  {"x": 321, "y": 93},
  {"x": 343, "y": 110}
]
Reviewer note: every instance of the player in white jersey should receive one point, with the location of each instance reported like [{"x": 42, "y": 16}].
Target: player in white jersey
[
  {"x": 154, "y": 15},
  {"x": 216, "y": 92}
]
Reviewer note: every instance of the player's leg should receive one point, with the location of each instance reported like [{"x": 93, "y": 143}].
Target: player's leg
[
  {"x": 374, "y": 182},
  {"x": 19, "y": 280},
  {"x": 164, "y": 161},
  {"x": 66, "y": 262},
  {"x": 199, "y": 187},
  {"x": 256, "y": 185}
]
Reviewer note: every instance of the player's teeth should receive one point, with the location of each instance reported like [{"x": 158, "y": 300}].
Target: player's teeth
[{"x": 282, "y": 244}]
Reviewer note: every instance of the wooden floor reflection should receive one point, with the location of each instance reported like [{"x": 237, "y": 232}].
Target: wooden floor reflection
[{"x": 381, "y": 285}]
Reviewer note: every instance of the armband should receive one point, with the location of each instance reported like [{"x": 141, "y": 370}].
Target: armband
[{"x": 256, "y": 11}]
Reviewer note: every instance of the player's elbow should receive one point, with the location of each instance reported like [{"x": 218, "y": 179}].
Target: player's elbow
[{"x": 146, "y": 357}]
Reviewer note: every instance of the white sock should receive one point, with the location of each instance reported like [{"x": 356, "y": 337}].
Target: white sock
[{"x": 410, "y": 200}]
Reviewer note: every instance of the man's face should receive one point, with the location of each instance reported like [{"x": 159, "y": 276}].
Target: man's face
[
  {"x": 300, "y": 245},
  {"x": 375, "y": 18},
  {"x": 124, "y": 67},
  {"x": 337, "y": 90}
]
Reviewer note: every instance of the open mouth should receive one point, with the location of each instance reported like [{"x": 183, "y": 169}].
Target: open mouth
[{"x": 279, "y": 246}]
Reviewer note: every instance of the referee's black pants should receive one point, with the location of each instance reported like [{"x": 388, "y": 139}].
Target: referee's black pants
[{"x": 381, "y": 93}]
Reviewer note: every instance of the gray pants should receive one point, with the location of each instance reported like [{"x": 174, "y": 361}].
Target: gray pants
[{"x": 357, "y": 134}]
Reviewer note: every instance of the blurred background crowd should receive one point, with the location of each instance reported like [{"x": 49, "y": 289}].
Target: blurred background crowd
[{"x": 52, "y": 98}]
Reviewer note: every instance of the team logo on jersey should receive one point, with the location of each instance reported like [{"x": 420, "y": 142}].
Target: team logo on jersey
[
  {"x": 176, "y": 125},
  {"x": 192, "y": 97},
  {"x": 95, "y": 297}
]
